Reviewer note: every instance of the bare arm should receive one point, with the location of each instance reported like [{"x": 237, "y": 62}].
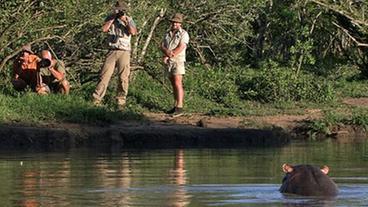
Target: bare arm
[
  {"x": 60, "y": 76},
  {"x": 178, "y": 49},
  {"x": 132, "y": 29},
  {"x": 166, "y": 51},
  {"x": 57, "y": 74},
  {"x": 107, "y": 25},
  {"x": 174, "y": 52}
]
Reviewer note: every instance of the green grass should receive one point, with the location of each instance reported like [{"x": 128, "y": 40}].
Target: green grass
[
  {"x": 217, "y": 92},
  {"x": 29, "y": 108},
  {"x": 352, "y": 88}
]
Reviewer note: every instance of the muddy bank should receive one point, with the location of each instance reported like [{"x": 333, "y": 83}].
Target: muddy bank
[
  {"x": 159, "y": 131},
  {"x": 137, "y": 136}
]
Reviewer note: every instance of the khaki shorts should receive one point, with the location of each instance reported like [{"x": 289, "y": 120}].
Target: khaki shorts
[{"x": 176, "y": 68}]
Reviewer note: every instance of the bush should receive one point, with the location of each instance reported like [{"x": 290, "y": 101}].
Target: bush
[
  {"x": 279, "y": 84},
  {"x": 218, "y": 85}
]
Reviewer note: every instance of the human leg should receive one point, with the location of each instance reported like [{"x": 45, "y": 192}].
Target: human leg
[
  {"x": 27, "y": 77},
  {"x": 123, "y": 64},
  {"x": 178, "y": 90},
  {"x": 176, "y": 71},
  {"x": 64, "y": 87},
  {"x": 19, "y": 84},
  {"x": 105, "y": 76}
]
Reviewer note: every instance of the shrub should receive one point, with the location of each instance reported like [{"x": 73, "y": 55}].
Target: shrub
[
  {"x": 279, "y": 84},
  {"x": 218, "y": 85}
]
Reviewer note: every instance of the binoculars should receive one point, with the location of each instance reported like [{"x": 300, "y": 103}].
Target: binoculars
[{"x": 119, "y": 13}]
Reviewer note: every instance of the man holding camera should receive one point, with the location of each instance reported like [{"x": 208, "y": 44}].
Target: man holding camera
[
  {"x": 52, "y": 76},
  {"x": 119, "y": 28},
  {"x": 25, "y": 69}
]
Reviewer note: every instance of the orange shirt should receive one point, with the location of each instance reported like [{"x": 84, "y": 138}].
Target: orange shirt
[{"x": 30, "y": 63}]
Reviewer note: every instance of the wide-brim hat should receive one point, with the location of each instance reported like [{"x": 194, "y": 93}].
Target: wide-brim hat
[
  {"x": 27, "y": 48},
  {"x": 177, "y": 18},
  {"x": 121, "y": 5}
]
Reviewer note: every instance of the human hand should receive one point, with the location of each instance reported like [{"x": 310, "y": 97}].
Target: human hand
[
  {"x": 169, "y": 53},
  {"x": 165, "y": 59}
]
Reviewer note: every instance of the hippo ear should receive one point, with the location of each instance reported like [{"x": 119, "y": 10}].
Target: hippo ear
[
  {"x": 287, "y": 168},
  {"x": 325, "y": 169}
]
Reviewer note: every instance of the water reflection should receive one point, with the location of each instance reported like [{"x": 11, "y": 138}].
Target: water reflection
[
  {"x": 180, "y": 197},
  {"x": 30, "y": 182},
  {"x": 114, "y": 178},
  {"x": 183, "y": 177},
  {"x": 36, "y": 182}
]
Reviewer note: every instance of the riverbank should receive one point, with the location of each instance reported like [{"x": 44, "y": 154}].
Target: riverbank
[
  {"x": 158, "y": 130},
  {"x": 154, "y": 132},
  {"x": 58, "y": 122}
]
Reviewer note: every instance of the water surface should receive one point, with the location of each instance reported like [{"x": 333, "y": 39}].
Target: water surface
[{"x": 179, "y": 177}]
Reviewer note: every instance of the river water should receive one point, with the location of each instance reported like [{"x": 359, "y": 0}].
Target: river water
[{"x": 179, "y": 177}]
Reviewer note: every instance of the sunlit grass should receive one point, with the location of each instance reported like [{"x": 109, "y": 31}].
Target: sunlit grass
[{"x": 30, "y": 108}]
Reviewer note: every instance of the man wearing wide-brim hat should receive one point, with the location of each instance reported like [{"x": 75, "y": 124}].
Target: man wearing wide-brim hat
[
  {"x": 27, "y": 48},
  {"x": 119, "y": 27},
  {"x": 174, "y": 47}
]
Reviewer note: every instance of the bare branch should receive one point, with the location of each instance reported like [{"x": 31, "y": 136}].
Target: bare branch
[
  {"x": 148, "y": 40},
  {"x": 359, "y": 44},
  {"x": 314, "y": 23},
  {"x": 206, "y": 16},
  {"x": 20, "y": 11},
  {"x": 356, "y": 22},
  {"x": 137, "y": 40},
  {"x": 50, "y": 28}
]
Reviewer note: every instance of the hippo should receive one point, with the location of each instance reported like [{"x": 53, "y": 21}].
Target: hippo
[{"x": 307, "y": 180}]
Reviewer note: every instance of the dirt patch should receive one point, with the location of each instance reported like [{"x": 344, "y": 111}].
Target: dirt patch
[
  {"x": 286, "y": 122},
  {"x": 362, "y": 102}
]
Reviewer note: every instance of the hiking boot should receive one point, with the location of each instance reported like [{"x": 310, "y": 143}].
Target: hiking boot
[
  {"x": 171, "y": 111},
  {"x": 178, "y": 112},
  {"x": 121, "y": 107}
]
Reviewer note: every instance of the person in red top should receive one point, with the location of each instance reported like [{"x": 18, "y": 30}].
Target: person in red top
[{"x": 25, "y": 69}]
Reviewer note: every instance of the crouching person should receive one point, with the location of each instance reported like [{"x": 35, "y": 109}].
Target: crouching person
[
  {"x": 25, "y": 70},
  {"x": 52, "y": 78}
]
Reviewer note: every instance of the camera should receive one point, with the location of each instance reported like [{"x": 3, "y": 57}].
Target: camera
[
  {"x": 43, "y": 63},
  {"x": 119, "y": 13}
]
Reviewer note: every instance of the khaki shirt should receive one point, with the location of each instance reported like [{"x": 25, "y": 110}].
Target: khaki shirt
[
  {"x": 118, "y": 35},
  {"x": 59, "y": 66},
  {"x": 171, "y": 41}
]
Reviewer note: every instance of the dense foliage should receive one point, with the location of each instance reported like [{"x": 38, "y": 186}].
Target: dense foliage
[
  {"x": 304, "y": 40},
  {"x": 281, "y": 85}
]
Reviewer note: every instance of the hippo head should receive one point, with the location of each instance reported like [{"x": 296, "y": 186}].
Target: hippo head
[{"x": 307, "y": 180}]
